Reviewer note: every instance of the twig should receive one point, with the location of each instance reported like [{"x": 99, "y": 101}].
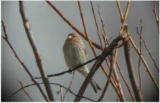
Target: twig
[
  {"x": 145, "y": 63},
  {"x": 95, "y": 21},
  {"x": 35, "y": 51},
  {"x": 25, "y": 91},
  {"x": 70, "y": 84},
  {"x": 119, "y": 10},
  {"x": 57, "y": 84},
  {"x": 125, "y": 82},
  {"x": 113, "y": 61},
  {"x": 155, "y": 14},
  {"x": 70, "y": 24},
  {"x": 103, "y": 27},
  {"x": 97, "y": 64},
  {"x": 123, "y": 17},
  {"x": 21, "y": 62},
  {"x": 126, "y": 12},
  {"x": 148, "y": 50},
  {"x": 139, "y": 32},
  {"x": 85, "y": 30},
  {"x": 61, "y": 93}
]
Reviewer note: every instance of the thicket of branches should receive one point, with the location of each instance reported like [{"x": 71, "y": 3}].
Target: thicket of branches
[{"x": 108, "y": 56}]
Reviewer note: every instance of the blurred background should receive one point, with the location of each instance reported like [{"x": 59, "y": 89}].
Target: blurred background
[{"x": 50, "y": 31}]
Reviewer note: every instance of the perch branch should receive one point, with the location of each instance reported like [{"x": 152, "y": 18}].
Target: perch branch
[
  {"x": 35, "y": 51},
  {"x": 70, "y": 70}
]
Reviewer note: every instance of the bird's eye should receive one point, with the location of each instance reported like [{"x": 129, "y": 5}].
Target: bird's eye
[{"x": 70, "y": 36}]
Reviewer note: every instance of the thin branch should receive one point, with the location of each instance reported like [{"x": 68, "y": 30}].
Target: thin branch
[
  {"x": 70, "y": 84},
  {"x": 95, "y": 21},
  {"x": 35, "y": 51},
  {"x": 61, "y": 93},
  {"x": 113, "y": 61},
  {"x": 25, "y": 91},
  {"x": 97, "y": 64},
  {"x": 70, "y": 24},
  {"x": 57, "y": 84},
  {"x": 145, "y": 63},
  {"x": 155, "y": 14},
  {"x": 119, "y": 10},
  {"x": 123, "y": 18},
  {"x": 130, "y": 68},
  {"x": 148, "y": 50},
  {"x": 125, "y": 82},
  {"x": 104, "y": 35},
  {"x": 22, "y": 63},
  {"x": 126, "y": 12},
  {"x": 139, "y": 32},
  {"x": 85, "y": 30}
]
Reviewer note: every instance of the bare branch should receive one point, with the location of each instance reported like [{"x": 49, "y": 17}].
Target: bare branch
[
  {"x": 119, "y": 10},
  {"x": 155, "y": 14},
  {"x": 95, "y": 21},
  {"x": 148, "y": 50},
  {"x": 126, "y": 12},
  {"x": 70, "y": 84},
  {"x": 104, "y": 35},
  {"x": 131, "y": 72},
  {"x": 25, "y": 91},
  {"x": 22, "y": 63},
  {"x": 35, "y": 51},
  {"x": 113, "y": 61},
  {"x": 57, "y": 84},
  {"x": 139, "y": 32},
  {"x": 145, "y": 63},
  {"x": 125, "y": 82}
]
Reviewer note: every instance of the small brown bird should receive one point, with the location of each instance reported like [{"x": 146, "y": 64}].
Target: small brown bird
[{"x": 75, "y": 54}]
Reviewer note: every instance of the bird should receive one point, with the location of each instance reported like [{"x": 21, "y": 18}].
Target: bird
[{"x": 75, "y": 54}]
